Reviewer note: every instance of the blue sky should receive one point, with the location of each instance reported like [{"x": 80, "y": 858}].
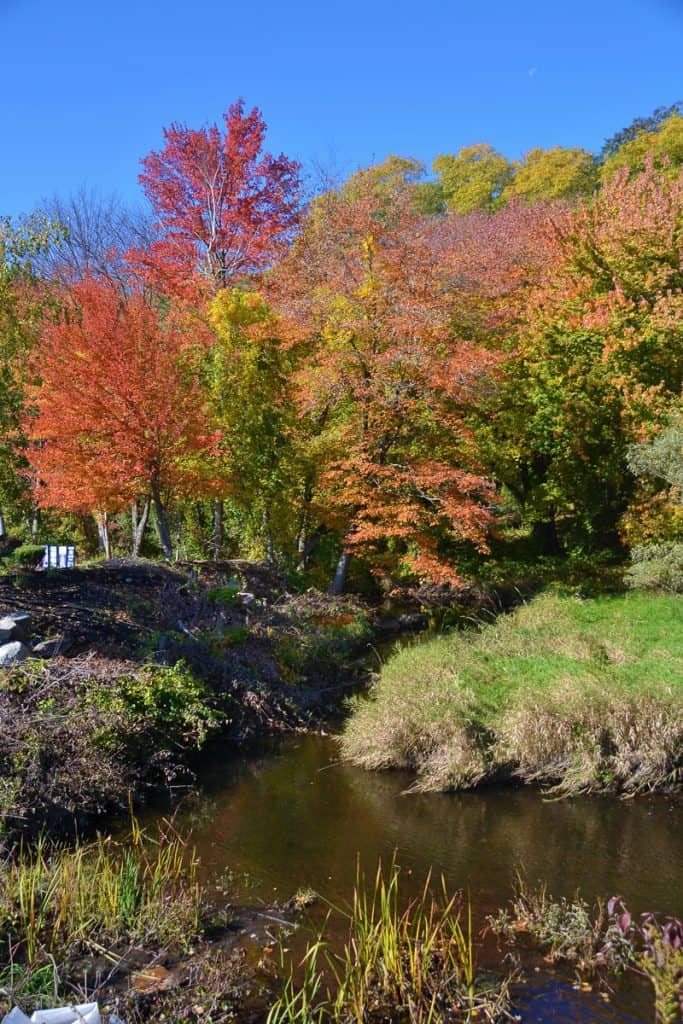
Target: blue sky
[{"x": 87, "y": 87}]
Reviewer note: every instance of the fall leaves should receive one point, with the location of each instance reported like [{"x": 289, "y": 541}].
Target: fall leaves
[{"x": 364, "y": 369}]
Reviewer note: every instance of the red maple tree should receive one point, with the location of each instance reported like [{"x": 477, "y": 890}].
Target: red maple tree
[
  {"x": 224, "y": 208},
  {"x": 118, "y": 412}
]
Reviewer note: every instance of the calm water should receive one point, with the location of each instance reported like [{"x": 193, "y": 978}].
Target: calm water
[{"x": 293, "y": 816}]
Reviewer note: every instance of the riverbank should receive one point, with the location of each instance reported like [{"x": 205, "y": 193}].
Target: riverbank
[
  {"x": 578, "y": 695},
  {"x": 129, "y": 667},
  {"x": 286, "y": 818}
]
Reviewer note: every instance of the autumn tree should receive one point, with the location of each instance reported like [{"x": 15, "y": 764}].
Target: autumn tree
[
  {"x": 639, "y": 126},
  {"x": 385, "y": 380},
  {"x": 596, "y": 356},
  {"x": 224, "y": 208},
  {"x": 663, "y": 143},
  {"x": 472, "y": 179},
  {"x": 119, "y": 411},
  {"x": 553, "y": 174},
  {"x": 21, "y": 306},
  {"x": 397, "y": 174}
]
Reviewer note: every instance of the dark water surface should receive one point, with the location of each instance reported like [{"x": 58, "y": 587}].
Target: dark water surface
[{"x": 293, "y": 817}]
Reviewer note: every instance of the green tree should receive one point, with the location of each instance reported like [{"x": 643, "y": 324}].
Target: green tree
[
  {"x": 664, "y": 143},
  {"x": 472, "y": 179},
  {"x": 553, "y": 174},
  {"x": 248, "y": 374}
]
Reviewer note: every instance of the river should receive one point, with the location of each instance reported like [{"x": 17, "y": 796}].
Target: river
[{"x": 292, "y": 816}]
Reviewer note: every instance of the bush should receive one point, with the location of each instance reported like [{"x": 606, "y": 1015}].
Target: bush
[
  {"x": 171, "y": 702},
  {"x": 78, "y": 736},
  {"x": 223, "y": 596},
  {"x": 30, "y": 556},
  {"x": 657, "y": 567}
]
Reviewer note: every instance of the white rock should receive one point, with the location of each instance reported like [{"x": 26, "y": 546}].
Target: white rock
[{"x": 13, "y": 654}]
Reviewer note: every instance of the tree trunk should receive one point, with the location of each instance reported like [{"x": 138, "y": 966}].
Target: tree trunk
[
  {"x": 2, "y": 527},
  {"x": 139, "y": 524},
  {"x": 35, "y": 525},
  {"x": 546, "y": 538},
  {"x": 268, "y": 533},
  {"x": 303, "y": 545},
  {"x": 217, "y": 538},
  {"x": 339, "y": 581},
  {"x": 103, "y": 535},
  {"x": 162, "y": 523},
  {"x": 302, "y": 542}
]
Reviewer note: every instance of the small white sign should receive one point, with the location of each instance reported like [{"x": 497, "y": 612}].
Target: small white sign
[{"x": 59, "y": 556}]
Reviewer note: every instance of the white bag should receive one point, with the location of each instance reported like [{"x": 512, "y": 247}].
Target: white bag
[{"x": 86, "y": 1013}]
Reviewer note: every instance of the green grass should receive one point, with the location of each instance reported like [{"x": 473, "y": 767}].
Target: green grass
[{"x": 585, "y": 695}]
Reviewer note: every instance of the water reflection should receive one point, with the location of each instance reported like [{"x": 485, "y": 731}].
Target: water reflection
[{"x": 294, "y": 816}]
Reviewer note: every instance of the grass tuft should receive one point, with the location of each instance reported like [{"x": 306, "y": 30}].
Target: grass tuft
[{"x": 411, "y": 962}]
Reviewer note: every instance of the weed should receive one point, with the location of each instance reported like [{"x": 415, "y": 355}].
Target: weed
[{"x": 568, "y": 930}]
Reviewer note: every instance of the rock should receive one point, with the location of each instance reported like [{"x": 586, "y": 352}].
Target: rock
[
  {"x": 13, "y": 654},
  {"x": 16, "y": 626},
  {"x": 49, "y": 648},
  {"x": 154, "y": 979},
  {"x": 246, "y": 598}
]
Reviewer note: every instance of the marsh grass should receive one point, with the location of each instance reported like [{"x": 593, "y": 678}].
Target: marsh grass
[
  {"x": 412, "y": 962},
  {"x": 580, "y": 695},
  {"x": 57, "y": 902}
]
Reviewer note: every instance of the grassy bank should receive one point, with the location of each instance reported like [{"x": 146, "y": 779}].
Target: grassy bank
[{"x": 583, "y": 695}]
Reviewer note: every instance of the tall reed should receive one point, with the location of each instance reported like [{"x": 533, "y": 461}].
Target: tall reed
[
  {"x": 406, "y": 961},
  {"x": 56, "y": 900}
]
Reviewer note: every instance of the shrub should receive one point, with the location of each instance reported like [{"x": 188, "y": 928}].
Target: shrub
[
  {"x": 77, "y": 736},
  {"x": 657, "y": 567},
  {"x": 30, "y": 556},
  {"x": 170, "y": 701}
]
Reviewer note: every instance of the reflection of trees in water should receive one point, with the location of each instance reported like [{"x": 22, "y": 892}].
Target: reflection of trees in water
[
  {"x": 293, "y": 817},
  {"x": 598, "y": 844}
]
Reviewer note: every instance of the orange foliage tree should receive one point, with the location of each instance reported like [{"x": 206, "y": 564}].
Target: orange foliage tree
[
  {"x": 595, "y": 358},
  {"x": 368, "y": 310},
  {"x": 118, "y": 411}
]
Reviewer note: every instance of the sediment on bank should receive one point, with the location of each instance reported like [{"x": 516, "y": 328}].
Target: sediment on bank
[{"x": 579, "y": 695}]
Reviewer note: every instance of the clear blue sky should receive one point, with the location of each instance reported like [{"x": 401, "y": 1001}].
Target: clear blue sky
[{"x": 87, "y": 86}]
